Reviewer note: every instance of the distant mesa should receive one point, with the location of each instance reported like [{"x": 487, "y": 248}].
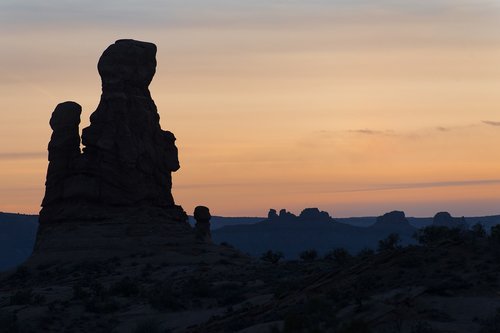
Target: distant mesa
[
  {"x": 314, "y": 214},
  {"x": 444, "y": 219},
  {"x": 392, "y": 219},
  {"x": 308, "y": 214}
]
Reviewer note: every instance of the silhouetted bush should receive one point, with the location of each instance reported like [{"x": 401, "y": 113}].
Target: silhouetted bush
[
  {"x": 309, "y": 255},
  {"x": 478, "y": 230},
  {"x": 226, "y": 244},
  {"x": 339, "y": 255},
  {"x": 272, "y": 257},
  {"x": 391, "y": 243},
  {"x": 495, "y": 233},
  {"x": 433, "y": 235}
]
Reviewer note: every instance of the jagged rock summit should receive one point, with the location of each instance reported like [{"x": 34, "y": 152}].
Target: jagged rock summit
[{"x": 115, "y": 194}]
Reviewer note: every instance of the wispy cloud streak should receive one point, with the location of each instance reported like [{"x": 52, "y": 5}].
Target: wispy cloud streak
[
  {"x": 492, "y": 123},
  {"x": 22, "y": 155},
  {"x": 409, "y": 186}
]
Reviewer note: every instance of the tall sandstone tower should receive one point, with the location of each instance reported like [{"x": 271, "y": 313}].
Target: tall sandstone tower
[{"x": 113, "y": 195}]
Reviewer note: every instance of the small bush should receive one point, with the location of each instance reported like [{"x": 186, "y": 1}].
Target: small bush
[
  {"x": 339, "y": 255},
  {"x": 478, "y": 230},
  {"x": 391, "y": 243},
  {"x": 309, "y": 255},
  {"x": 433, "y": 235},
  {"x": 272, "y": 257},
  {"x": 495, "y": 233}
]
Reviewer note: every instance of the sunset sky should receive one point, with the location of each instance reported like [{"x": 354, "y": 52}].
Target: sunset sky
[{"x": 357, "y": 107}]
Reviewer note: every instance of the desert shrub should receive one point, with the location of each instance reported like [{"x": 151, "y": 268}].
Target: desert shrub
[
  {"x": 391, "y": 243},
  {"x": 478, "y": 230},
  {"x": 162, "y": 297},
  {"x": 226, "y": 244},
  {"x": 271, "y": 256},
  {"x": 433, "y": 235},
  {"x": 309, "y": 255},
  {"x": 495, "y": 233},
  {"x": 148, "y": 326},
  {"x": 339, "y": 255},
  {"x": 125, "y": 287}
]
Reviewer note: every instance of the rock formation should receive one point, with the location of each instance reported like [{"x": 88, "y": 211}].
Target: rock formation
[
  {"x": 394, "y": 219},
  {"x": 202, "y": 226},
  {"x": 127, "y": 159},
  {"x": 114, "y": 195},
  {"x": 314, "y": 214},
  {"x": 444, "y": 219}
]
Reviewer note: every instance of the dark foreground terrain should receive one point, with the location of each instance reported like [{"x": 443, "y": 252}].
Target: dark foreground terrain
[{"x": 447, "y": 283}]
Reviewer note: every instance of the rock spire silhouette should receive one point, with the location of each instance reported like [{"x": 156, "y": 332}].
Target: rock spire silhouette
[{"x": 127, "y": 159}]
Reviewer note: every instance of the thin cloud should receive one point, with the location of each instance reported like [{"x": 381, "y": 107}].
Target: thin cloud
[
  {"x": 22, "y": 156},
  {"x": 409, "y": 186},
  {"x": 370, "y": 132},
  {"x": 491, "y": 123}
]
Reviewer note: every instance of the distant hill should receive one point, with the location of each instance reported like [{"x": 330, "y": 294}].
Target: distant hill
[
  {"x": 17, "y": 236},
  {"x": 253, "y": 235},
  {"x": 292, "y": 234},
  {"x": 217, "y": 222}
]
